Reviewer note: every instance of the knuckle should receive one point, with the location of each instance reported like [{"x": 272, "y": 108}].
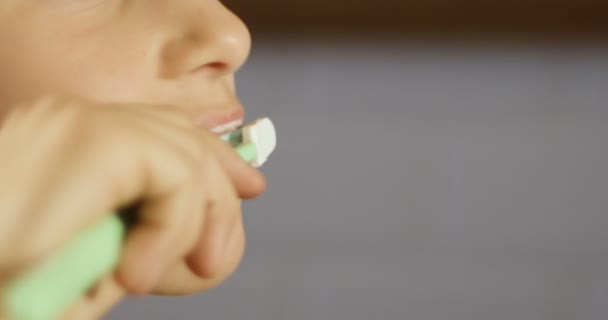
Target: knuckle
[
  {"x": 197, "y": 154},
  {"x": 175, "y": 115},
  {"x": 64, "y": 120},
  {"x": 192, "y": 143},
  {"x": 188, "y": 168}
]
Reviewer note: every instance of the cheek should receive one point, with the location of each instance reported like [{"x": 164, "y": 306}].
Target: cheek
[
  {"x": 20, "y": 79},
  {"x": 103, "y": 75},
  {"x": 112, "y": 83},
  {"x": 90, "y": 68}
]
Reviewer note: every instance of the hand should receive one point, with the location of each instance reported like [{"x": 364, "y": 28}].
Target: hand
[{"x": 66, "y": 162}]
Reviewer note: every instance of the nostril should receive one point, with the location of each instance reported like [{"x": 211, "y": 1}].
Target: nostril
[
  {"x": 213, "y": 68},
  {"x": 217, "y": 65},
  {"x": 211, "y": 42}
]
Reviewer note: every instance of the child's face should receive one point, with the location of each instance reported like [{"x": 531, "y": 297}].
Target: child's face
[{"x": 182, "y": 53}]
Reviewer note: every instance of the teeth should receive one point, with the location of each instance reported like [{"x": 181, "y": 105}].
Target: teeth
[{"x": 227, "y": 127}]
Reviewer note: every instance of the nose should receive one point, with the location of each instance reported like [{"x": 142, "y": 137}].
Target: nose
[{"x": 210, "y": 40}]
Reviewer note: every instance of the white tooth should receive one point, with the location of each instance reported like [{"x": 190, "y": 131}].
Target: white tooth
[
  {"x": 218, "y": 129},
  {"x": 227, "y": 127},
  {"x": 235, "y": 124}
]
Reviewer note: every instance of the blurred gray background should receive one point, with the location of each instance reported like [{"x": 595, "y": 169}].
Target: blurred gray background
[{"x": 421, "y": 178}]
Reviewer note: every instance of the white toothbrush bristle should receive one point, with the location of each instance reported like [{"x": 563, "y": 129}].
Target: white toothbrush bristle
[{"x": 262, "y": 134}]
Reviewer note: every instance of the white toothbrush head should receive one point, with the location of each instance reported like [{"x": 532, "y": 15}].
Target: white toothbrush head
[{"x": 262, "y": 134}]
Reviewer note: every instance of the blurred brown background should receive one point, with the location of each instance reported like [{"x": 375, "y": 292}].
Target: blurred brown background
[{"x": 439, "y": 17}]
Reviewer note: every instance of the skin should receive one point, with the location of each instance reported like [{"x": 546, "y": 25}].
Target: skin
[{"x": 79, "y": 75}]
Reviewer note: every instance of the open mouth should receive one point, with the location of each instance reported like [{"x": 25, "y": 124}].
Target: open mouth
[{"x": 221, "y": 122}]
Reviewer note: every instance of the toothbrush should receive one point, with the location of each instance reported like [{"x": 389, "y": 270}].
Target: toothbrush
[{"x": 48, "y": 290}]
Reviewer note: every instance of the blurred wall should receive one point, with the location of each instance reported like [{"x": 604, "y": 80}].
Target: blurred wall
[{"x": 418, "y": 178}]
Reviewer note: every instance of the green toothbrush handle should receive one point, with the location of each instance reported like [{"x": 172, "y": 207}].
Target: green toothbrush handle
[
  {"x": 50, "y": 289},
  {"x": 47, "y": 291}
]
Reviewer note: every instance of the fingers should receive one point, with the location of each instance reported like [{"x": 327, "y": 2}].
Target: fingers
[
  {"x": 191, "y": 197},
  {"x": 97, "y": 302},
  {"x": 168, "y": 220},
  {"x": 230, "y": 178},
  {"x": 180, "y": 280},
  {"x": 222, "y": 212},
  {"x": 188, "y": 181},
  {"x": 248, "y": 181}
]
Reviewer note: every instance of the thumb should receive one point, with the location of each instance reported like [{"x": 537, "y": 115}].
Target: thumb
[{"x": 248, "y": 181}]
